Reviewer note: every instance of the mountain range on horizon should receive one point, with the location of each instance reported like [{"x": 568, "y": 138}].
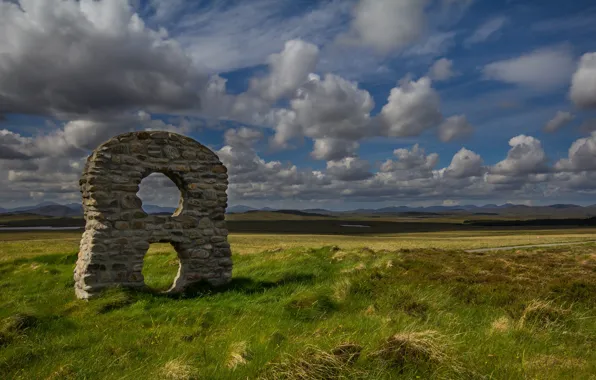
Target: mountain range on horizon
[{"x": 53, "y": 209}]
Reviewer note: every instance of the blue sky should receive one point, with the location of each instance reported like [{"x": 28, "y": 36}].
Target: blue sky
[{"x": 301, "y": 90}]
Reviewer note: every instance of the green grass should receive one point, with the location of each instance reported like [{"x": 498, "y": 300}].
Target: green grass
[{"x": 332, "y": 312}]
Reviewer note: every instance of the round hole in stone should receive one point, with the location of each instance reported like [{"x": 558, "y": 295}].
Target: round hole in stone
[
  {"x": 160, "y": 266},
  {"x": 159, "y": 194}
]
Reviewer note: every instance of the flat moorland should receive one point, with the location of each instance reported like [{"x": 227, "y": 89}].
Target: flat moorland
[{"x": 311, "y": 307}]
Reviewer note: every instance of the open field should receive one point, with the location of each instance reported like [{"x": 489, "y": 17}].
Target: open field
[{"x": 409, "y": 305}]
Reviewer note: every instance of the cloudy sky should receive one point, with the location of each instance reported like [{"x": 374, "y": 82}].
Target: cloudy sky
[{"x": 330, "y": 103}]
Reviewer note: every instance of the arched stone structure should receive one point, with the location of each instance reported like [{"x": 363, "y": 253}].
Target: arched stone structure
[{"x": 118, "y": 232}]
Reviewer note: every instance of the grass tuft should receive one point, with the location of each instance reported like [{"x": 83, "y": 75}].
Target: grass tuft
[
  {"x": 413, "y": 349},
  {"x": 15, "y": 326},
  {"x": 179, "y": 369},
  {"x": 341, "y": 289},
  {"x": 238, "y": 354},
  {"x": 410, "y": 305},
  {"x": 63, "y": 372},
  {"x": 347, "y": 352},
  {"x": 311, "y": 306},
  {"x": 317, "y": 364},
  {"x": 541, "y": 314},
  {"x": 501, "y": 325}
]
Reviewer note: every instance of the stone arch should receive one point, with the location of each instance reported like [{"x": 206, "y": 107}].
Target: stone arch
[{"x": 118, "y": 232}]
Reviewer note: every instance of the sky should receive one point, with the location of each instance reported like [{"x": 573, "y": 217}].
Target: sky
[{"x": 310, "y": 104}]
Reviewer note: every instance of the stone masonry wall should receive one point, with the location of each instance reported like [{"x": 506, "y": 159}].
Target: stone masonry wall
[{"x": 118, "y": 232}]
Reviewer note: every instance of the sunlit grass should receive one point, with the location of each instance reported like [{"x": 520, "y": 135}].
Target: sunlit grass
[{"x": 351, "y": 307}]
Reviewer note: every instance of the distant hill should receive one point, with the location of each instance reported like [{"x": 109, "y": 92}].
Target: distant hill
[
  {"x": 153, "y": 209},
  {"x": 508, "y": 210},
  {"x": 51, "y": 210},
  {"x": 239, "y": 209},
  {"x": 564, "y": 206},
  {"x": 290, "y": 212},
  {"x": 72, "y": 209}
]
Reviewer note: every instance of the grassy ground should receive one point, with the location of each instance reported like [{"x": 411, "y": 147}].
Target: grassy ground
[{"x": 311, "y": 307}]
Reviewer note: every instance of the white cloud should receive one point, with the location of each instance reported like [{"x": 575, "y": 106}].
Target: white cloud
[
  {"x": 455, "y": 128},
  {"x": 582, "y": 155},
  {"x": 433, "y": 45},
  {"x": 583, "y": 84},
  {"x": 288, "y": 70},
  {"x": 526, "y": 156},
  {"x": 328, "y": 108},
  {"x": 486, "y": 30},
  {"x": 11, "y": 145},
  {"x": 387, "y": 25},
  {"x": 465, "y": 163},
  {"x": 544, "y": 69},
  {"x": 244, "y": 137},
  {"x": 349, "y": 169},
  {"x": 411, "y": 160},
  {"x": 97, "y": 56},
  {"x": 441, "y": 70},
  {"x": 560, "y": 120},
  {"x": 225, "y": 36},
  {"x": 412, "y": 108},
  {"x": 334, "y": 149}
]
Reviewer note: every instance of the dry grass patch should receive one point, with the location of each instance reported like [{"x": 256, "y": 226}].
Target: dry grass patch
[
  {"x": 238, "y": 354},
  {"x": 501, "y": 325},
  {"x": 425, "y": 349},
  {"x": 179, "y": 369},
  {"x": 316, "y": 364},
  {"x": 412, "y": 347},
  {"x": 550, "y": 362},
  {"x": 541, "y": 314},
  {"x": 341, "y": 289}
]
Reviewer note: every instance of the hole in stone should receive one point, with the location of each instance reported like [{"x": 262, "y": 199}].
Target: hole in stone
[
  {"x": 160, "y": 266},
  {"x": 159, "y": 194}
]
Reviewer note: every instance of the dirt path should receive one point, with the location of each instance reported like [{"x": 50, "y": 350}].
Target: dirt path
[{"x": 527, "y": 246}]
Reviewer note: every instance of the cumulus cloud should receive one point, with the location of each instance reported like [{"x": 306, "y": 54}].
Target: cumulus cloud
[
  {"x": 486, "y": 30},
  {"x": 441, "y": 70},
  {"x": 582, "y": 155},
  {"x": 288, "y": 70},
  {"x": 334, "y": 149},
  {"x": 387, "y": 25},
  {"x": 349, "y": 169},
  {"x": 588, "y": 126},
  {"x": 11, "y": 144},
  {"x": 545, "y": 69},
  {"x": 75, "y": 138},
  {"x": 583, "y": 83},
  {"x": 328, "y": 108},
  {"x": 412, "y": 108},
  {"x": 560, "y": 120},
  {"x": 455, "y": 128},
  {"x": 77, "y": 57},
  {"x": 253, "y": 177},
  {"x": 411, "y": 160},
  {"x": 242, "y": 137},
  {"x": 465, "y": 163},
  {"x": 526, "y": 156}
]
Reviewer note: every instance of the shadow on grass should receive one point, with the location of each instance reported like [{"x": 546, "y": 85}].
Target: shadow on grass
[
  {"x": 244, "y": 285},
  {"x": 117, "y": 298}
]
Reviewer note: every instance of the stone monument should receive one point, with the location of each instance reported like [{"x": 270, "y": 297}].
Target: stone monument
[{"x": 118, "y": 232}]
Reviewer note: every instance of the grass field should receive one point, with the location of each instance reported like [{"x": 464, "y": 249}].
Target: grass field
[{"x": 398, "y": 306}]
